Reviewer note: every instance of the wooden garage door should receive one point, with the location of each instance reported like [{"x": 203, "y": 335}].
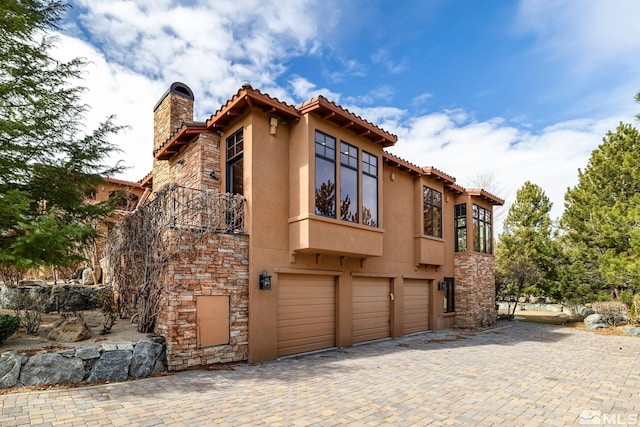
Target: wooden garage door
[
  {"x": 416, "y": 306},
  {"x": 371, "y": 308},
  {"x": 306, "y": 313}
]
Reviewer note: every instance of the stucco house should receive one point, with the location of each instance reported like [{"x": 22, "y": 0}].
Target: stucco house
[{"x": 342, "y": 242}]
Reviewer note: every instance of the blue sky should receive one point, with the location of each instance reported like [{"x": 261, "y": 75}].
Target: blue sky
[{"x": 491, "y": 92}]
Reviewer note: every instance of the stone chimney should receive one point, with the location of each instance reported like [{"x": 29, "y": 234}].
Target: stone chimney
[{"x": 174, "y": 108}]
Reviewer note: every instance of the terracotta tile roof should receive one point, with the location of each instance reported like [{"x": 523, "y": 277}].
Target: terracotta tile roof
[
  {"x": 178, "y": 138},
  {"x": 486, "y": 196},
  {"x": 123, "y": 183},
  {"x": 329, "y": 110},
  {"x": 147, "y": 181}
]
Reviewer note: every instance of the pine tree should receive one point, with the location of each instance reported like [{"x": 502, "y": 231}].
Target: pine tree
[
  {"x": 527, "y": 254},
  {"x": 603, "y": 212},
  {"x": 47, "y": 168}
]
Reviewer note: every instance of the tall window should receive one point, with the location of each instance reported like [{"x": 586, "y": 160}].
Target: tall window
[
  {"x": 369, "y": 189},
  {"x": 348, "y": 182},
  {"x": 449, "y": 295},
  {"x": 432, "y": 212},
  {"x": 235, "y": 177},
  {"x": 482, "y": 230},
  {"x": 461, "y": 227},
  {"x": 325, "y": 175}
]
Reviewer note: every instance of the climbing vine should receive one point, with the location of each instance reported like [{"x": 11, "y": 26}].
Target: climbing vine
[{"x": 141, "y": 247}]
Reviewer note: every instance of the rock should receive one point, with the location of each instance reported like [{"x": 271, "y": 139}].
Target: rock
[
  {"x": 88, "y": 276},
  {"x": 635, "y": 331},
  {"x": 10, "y": 364},
  {"x": 144, "y": 358},
  {"x": 78, "y": 297},
  {"x": 88, "y": 353},
  {"x": 49, "y": 368},
  {"x": 594, "y": 326},
  {"x": 71, "y": 329},
  {"x": 112, "y": 366},
  {"x": 587, "y": 311},
  {"x": 592, "y": 318}
]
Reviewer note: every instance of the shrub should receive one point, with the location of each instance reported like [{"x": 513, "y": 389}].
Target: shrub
[
  {"x": 8, "y": 326},
  {"x": 107, "y": 305},
  {"x": 626, "y": 297},
  {"x": 613, "y": 313},
  {"x": 29, "y": 305},
  {"x": 634, "y": 312}
]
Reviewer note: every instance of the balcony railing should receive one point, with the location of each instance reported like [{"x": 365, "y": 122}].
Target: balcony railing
[{"x": 190, "y": 208}]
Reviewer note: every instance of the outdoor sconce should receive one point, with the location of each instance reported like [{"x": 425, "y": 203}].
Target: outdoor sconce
[
  {"x": 265, "y": 281},
  {"x": 442, "y": 285},
  {"x": 273, "y": 124}
]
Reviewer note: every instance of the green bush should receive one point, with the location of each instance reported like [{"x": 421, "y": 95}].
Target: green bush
[
  {"x": 626, "y": 297},
  {"x": 634, "y": 312},
  {"x": 8, "y": 326}
]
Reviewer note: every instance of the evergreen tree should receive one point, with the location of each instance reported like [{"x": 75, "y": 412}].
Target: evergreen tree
[
  {"x": 527, "y": 254},
  {"x": 603, "y": 212},
  {"x": 47, "y": 168}
]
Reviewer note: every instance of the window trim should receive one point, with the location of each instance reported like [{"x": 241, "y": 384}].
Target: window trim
[
  {"x": 325, "y": 157},
  {"x": 355, "y": 168},
  {"x": 231, "y": 143},
  {"x": 480, "y": 223},
  {"x": 460, "y": 214},
  {"x": 367, "y": 171},
  {"x": 429, "y": 201}
]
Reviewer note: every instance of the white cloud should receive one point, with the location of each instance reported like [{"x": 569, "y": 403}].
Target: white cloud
[
  {"x": 513, "y": 155},
  {"x": 586, "y": 34}
]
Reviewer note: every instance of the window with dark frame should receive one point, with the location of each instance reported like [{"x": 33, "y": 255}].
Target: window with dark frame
[
  {"x": 369, "y": 189},
  {"x": 432, "y": 212},
  {"x": 325, "y": 197},
  {"x": 348, "y": 182},
  {"x": 482, "y": 230},
  {"x": 450, "y": 295},
  {"x": 460, "y": 221},
  {"x": 235, "y": 163}
]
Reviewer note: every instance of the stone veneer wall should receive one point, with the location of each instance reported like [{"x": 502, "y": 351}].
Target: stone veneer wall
[
  {"x": 198, "y": 161},
  {"x": 219, "y": 265},
  {"x": 167, "y": 118},
  {"x": 475, "y": 290}
]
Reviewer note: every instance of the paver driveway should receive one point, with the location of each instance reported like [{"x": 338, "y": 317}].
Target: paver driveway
[{"x": 517, "y": 374}]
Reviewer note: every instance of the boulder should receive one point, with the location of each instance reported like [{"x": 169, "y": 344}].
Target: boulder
[
  {"x": 112, "y": 366},
  {"x": 88, "y": 353},
  {"x": 144, "y": 358},
  {"x": 593, "y": 322},
  {"x": 594, "y": 326},
  {"x": 10, "y": 364},
  {"x": 50, "y": 368},
  {"x": 635, "y": 331},
  {"x": 88, "y": 276},
  {"x": 71, "y": 329},
  {"x": 587, "y": 311}
]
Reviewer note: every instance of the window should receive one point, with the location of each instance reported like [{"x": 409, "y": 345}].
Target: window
[
  {"x": 348, "y": 182},
  {"x": 432, "y": 212},
  {"x": 325, "y": 175},
  {"x": 369, "y": 189},
  {"x": 449, "y": 295},
  {"x": 482, "y": 232},
  {"x": 461, "y": 227},
  {"x": 235, "y": 177}
]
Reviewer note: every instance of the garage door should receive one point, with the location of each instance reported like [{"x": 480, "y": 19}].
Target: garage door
[
  {"x": 306, "y": 313},
  {"x": 371, "y": 308},
  {"x": 416, "y": 306}
]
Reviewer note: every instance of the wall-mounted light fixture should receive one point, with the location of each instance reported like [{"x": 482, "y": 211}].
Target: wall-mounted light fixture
[
  {"x": 442, "y": 285},
  {"x": 265, "y": 281},
  {"x": 273, "y": 124}
]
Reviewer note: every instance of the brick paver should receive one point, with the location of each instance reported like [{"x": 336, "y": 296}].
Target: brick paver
[{"x": 518, "y": 374}]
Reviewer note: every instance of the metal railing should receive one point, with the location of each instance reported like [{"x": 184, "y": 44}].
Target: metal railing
[{"x": 183, "y": 207}]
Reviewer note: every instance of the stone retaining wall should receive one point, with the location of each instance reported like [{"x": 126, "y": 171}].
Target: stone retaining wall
[{"x": 108, "y": 362}]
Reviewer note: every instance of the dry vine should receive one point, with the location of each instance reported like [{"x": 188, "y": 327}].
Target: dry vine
[{"x": 139, "y": 249}]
